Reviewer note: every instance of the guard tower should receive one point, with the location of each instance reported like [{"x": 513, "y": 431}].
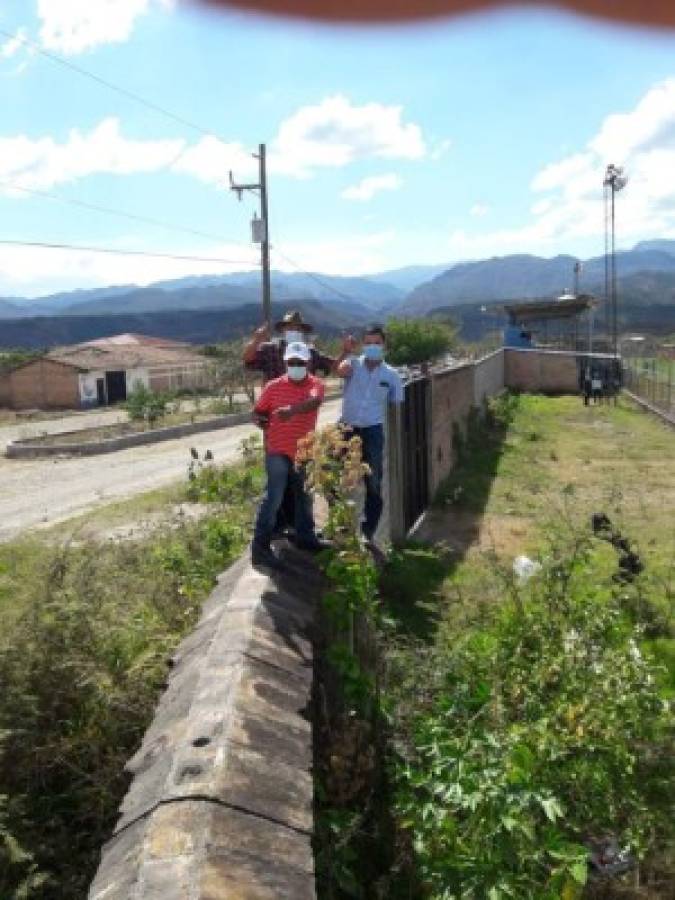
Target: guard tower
[{"x": 562, "y": 324}]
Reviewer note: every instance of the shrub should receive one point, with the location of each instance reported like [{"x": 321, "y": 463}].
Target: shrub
[
  {"x": 548, "y": 731},
  {"x": 142, "y": 403},
  {"x": 86, "y": 632},
  {"x": 413, "y": 341}
]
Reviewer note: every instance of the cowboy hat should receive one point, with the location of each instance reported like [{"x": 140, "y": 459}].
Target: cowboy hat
[{"x": 293, "y": 319}]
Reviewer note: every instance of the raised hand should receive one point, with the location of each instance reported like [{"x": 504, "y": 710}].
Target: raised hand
[
  {"x": 262, "y": 334},
  {"x": 349, "y": 344}
]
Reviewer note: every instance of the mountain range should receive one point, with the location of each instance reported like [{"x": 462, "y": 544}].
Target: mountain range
[
  {"x": 230, "y": 304},
  {"x": 522, "y": 277}
]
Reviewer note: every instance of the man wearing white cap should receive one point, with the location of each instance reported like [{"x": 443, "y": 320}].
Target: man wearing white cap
[{"x": 287, "y": 410}]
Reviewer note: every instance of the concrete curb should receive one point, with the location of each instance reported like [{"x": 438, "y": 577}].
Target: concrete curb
[
  {"x": 221, "y": 802},
  {"x": 30, "y": 448}
]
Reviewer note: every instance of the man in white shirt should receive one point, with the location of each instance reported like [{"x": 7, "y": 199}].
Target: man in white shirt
[{"x": 369, "y": 385}]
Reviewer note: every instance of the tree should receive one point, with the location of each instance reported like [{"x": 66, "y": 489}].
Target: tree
[
  {"x": 414, "y": 341},
  {"x": 229, "y": 375}
]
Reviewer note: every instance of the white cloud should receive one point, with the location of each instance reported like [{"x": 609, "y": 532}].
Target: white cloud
[
  {"x": 478, "y": 210},
  {"x": 74, "y": 26},
  {"x": 353, "y": 255},
  {"x": 30, "y": 271},
  {"x": 14, "y": 44},
  {"x": 336, "y": 132},
  {"x": 643, "y": 141},
  {"x": 368, "y": 187},
  {"x": 43, "y": 163},
  {"x": 211, "y": 160}
]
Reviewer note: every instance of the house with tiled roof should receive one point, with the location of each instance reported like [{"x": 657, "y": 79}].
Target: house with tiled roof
[{"x": 102, "y": 372}]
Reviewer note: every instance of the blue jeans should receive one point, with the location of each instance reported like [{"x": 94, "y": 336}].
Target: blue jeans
[
  {"x": 281, "y": 472},
  {"x": 372, "y": 442}
]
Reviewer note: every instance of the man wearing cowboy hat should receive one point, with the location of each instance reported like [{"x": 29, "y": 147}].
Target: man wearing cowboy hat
[{"x": 266, "y": 356}]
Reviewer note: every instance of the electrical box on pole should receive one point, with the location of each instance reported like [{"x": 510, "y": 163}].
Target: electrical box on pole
[{"x": 257, "y": 230}]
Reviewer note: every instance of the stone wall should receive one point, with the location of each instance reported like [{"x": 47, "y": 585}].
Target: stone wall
[{"x": 220, "y": 805}]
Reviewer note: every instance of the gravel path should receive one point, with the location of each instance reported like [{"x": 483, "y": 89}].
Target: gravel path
[{"x": 40, "y": 492}]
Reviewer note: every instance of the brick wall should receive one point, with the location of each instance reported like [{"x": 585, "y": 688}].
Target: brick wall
[
  {"x": 44, "y": 384},
  {"x": 452, "y": 397},
  {"x": 541, "y": 371}
]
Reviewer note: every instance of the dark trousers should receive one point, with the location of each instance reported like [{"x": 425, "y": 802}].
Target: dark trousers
[
  {"x": 286, "y": 513},
  {"x": 372, "y": 444},
  {"x": 282, "y": 474}
]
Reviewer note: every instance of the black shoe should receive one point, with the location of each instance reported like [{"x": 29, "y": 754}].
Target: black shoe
[
  {"x": 315, "y": 546},
  {"x": 265, "y": 558}
]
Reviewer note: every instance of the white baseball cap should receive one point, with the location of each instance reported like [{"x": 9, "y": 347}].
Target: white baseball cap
[{"x": 297, "y": 350}]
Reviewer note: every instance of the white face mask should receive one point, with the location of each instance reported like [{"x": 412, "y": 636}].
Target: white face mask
[
  {"x": 292, "y": 337},
  {"x": 297, "y": 373}
]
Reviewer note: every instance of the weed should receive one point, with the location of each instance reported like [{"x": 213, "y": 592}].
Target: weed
[{"x": 87, "y": 630}]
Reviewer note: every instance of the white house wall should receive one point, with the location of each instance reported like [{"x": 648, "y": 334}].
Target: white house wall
[{"x": 87, "y": 384}]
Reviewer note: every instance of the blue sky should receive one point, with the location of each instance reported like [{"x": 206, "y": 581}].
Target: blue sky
[{"x": 459, "y": 139}]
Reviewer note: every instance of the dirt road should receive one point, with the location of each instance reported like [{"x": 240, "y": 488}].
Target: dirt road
[{"x": 40, "y": 492}]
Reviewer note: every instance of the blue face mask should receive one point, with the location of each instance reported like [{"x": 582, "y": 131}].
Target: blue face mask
[
  {"x": 374, "y": 352},
  {"x": 297, "y": 373}
]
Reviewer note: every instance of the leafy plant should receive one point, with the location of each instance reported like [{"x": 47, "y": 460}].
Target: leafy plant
[
  {"x": 83, "y": 652},
  {"x": 413, "y": 341},
  {"x": 142, "y": 403},
  {"x": 548, "y": 731},
  {"x": 210, "y": 483}
]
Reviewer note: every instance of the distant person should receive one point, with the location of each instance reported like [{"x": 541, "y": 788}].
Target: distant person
[
  {"x": 587, "y": 386},
  {"x": 369, "y": 385},
  {"x": 287, "y": 410},
  {"x": 596, "y": 387}
]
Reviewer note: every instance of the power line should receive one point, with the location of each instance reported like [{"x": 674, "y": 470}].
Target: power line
[
  {"x": 124, "y": 92},
  {"x": 116, "y": 212},
  {"x": 114, "y": 251},
  {"x": 315, "y": 278}
]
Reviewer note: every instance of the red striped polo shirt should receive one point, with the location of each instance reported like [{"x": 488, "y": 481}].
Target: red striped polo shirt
[{"x": 283, "y": 436}]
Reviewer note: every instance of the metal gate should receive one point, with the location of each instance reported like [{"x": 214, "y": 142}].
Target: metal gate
[{"x": 415, "y": 418}]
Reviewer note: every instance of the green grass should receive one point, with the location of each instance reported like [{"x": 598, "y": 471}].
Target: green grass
[
  {"x": 86, "y": 627},
  {"x": 469, "y": 650}
]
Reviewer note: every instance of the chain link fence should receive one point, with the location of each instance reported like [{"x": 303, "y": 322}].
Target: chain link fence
[{"x": 652, "y": 378}]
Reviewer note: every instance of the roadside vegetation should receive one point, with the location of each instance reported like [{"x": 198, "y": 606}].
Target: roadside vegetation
[
  {"x": 12, "y": 357},
  {"x": 86, "y": 628},
  {"x": 526, "y": 711},
  {"x": 416, "y": 341}
]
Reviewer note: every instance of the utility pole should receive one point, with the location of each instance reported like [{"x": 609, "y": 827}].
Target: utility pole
[{"x": 260, "y": 229}]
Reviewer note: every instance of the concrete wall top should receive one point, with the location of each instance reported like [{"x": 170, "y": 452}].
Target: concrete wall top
[{"x": 222, "y": 796}]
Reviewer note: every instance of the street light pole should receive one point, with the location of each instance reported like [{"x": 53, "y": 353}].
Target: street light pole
[
  {"x": 614, "y": 181},
  {"x": 261, "y": 230}
]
